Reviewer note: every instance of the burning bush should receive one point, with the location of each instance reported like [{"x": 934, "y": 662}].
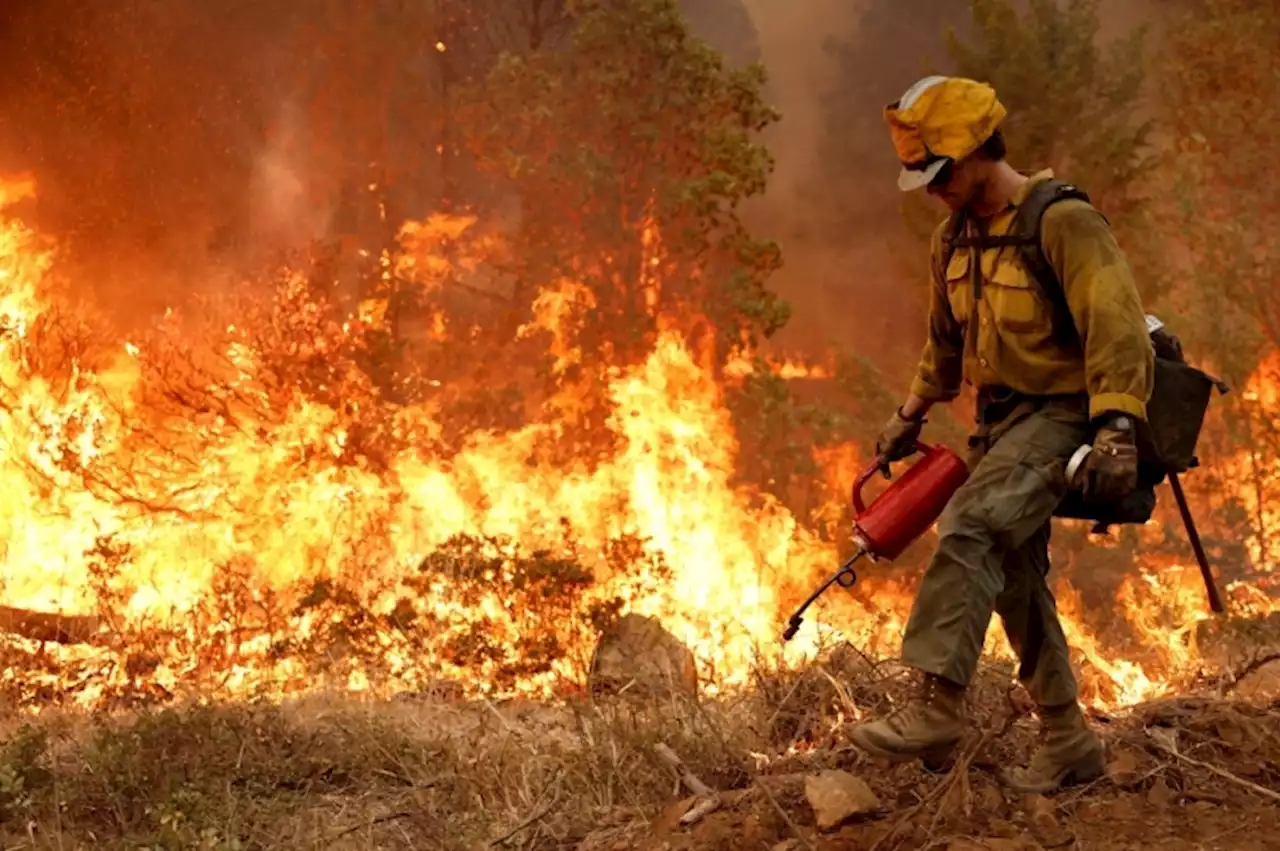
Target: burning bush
[{"x": 244, "y": 506}]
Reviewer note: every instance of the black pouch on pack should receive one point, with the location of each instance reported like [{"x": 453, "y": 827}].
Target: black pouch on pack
[{"x": 1176, "y": 411}]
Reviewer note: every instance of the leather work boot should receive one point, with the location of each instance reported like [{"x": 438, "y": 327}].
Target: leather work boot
[
  {"x": 1069, "y": 752},
  {"x": 927, "y": 727}
]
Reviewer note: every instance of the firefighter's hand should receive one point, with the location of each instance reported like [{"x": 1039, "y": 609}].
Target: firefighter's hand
[
  {"x": 898, "y": 439},
  {"x": 1111, "y": 470}
]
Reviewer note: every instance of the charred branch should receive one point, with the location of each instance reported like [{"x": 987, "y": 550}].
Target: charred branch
[{"x": 47, "y": 626}]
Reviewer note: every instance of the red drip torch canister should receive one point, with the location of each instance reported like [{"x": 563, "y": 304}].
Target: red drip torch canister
[
  {"x": 908, "y": 507},
  {"x": 903, "y": 512}
]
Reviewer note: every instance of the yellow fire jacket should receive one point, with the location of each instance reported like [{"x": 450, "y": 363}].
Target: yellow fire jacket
[{"x": 1014, "y": 345}]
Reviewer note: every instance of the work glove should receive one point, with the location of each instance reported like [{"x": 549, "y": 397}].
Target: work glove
[
  {"x": 1111, "y": 470},
  {"x": 898, "y": 439}
]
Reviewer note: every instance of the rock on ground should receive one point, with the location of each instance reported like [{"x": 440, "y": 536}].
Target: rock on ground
[
  {"x": 637, "y": 655},
  {"x": 837, "y": 796}
]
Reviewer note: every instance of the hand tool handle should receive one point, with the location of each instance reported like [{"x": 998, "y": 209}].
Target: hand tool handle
[{"x": 1210, "y": 585}]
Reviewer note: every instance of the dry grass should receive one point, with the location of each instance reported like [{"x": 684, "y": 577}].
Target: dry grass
[{"x": 333, "y": 772}]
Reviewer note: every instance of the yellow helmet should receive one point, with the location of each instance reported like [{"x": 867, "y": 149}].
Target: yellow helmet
[{"x": 940, "y": 119}]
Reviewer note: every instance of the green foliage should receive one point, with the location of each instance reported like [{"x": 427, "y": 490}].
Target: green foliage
[
  {"x": 24, "y": 770},
  {"x": 635, "y": 129},
  {"x": 777, "y": 433},
  {"x": 197, "y": 777}
]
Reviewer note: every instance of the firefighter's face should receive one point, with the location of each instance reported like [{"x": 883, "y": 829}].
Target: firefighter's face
[{"x": 958, "y": 183}]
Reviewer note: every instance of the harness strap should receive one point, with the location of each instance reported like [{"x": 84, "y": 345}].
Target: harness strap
[{"x": 1024, "y": 235}]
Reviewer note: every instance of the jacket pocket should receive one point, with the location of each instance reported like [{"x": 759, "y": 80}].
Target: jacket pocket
[
  {"x": 1015, "y": 299},
  {"x": 960, "y": 287}
]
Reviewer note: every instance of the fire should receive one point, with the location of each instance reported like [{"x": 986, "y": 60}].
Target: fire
[
  {"x": 742, "y": 365},
  {"x": 247, "y": 513},
  {"x": 203, "y": 465}
]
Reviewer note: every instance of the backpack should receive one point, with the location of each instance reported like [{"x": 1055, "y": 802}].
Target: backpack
[{"x": 1181, "y": 393}]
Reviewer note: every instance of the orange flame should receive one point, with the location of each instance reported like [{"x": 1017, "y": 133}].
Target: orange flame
[{"x": 189, "y": 464}]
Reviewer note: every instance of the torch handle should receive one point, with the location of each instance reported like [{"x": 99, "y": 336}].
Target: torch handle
[{"x": 860, "y": 507}]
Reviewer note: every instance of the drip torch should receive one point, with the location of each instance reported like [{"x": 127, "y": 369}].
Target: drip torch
[{"x": 894, "y": 520}]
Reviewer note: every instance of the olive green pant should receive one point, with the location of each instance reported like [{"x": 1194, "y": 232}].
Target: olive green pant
[{"x": 993, "y": 556}]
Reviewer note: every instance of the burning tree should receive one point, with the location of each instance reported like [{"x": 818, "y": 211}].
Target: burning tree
[{"x": 630, "y": 151}]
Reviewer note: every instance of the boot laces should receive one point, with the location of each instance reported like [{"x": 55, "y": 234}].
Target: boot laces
[{"x": 915, "y": 707}]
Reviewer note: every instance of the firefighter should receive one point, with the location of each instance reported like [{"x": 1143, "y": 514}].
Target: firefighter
[{"x": 1038, "y": 398}]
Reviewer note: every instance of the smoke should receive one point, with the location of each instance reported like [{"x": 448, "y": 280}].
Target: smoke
[
  {"x": 281, "y": 211},
  {"x": 833, "y": 65},
  {"x": 140, "y": 123},
  {"x": 794, "y": 39},
  {"x": 177, "y": 142}
]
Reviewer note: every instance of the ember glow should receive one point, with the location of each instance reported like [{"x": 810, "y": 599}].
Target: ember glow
[{"x": 209, "y": 514}]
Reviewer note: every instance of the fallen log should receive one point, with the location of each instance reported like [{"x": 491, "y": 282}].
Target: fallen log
[{"x": 49, "y": 626}]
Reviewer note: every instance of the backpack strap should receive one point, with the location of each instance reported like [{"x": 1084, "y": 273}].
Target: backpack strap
[
  {"x": 1026, "y": 227},
  {"x": 951, "y": 238},
  {"x": 1024, "y": 235}
]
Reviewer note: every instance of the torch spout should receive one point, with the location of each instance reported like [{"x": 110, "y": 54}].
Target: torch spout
[{"x": 845, "y": 576}]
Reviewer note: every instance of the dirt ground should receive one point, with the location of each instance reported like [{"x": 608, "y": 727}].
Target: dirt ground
[
  {"x": 1183, "y": 773},
  {"x": 1204, "y": 798}
]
